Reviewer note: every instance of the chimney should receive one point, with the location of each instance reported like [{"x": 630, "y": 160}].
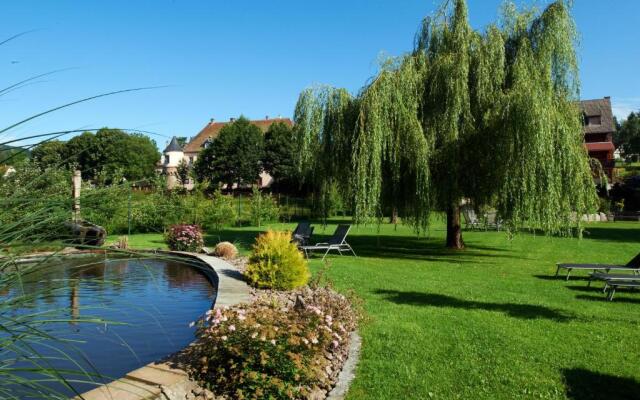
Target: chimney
[
  {"x": 231, "y": 119},
  {"x": 279, "y": 116},
  {"x": 266, "y": 117},
  {"x": 607, "y": 97},
  {"x": 211, "y": 120}
]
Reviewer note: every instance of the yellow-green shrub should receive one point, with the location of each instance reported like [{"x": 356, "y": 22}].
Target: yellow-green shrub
[{"x": 276, "y": 263}]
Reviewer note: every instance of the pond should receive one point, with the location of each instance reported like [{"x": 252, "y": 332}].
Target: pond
[{"x": 148, "y": 303}]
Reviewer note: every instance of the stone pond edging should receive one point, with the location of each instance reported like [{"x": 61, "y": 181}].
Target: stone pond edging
[{"x": 163, "y": 381}]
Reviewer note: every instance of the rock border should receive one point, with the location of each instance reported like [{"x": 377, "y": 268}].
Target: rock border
[{"x": 348, "y": 372}]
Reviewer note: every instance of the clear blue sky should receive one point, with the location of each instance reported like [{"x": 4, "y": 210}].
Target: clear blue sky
[{"x": 223, "y": 58}]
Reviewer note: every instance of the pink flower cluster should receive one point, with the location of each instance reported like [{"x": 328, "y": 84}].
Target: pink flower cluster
[{"x": 185, "y": 237}]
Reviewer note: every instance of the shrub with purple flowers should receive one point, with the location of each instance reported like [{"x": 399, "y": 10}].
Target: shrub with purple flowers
[
  {"x": 282, "y": 346},
  {"x": 184, "y": 237}
]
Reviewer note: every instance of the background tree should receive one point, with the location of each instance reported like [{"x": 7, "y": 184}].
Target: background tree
[
  {"x": 488, "y": 116},
  {"x": 183, "y": 172},
  {"x": 103, "y": 155},
  {"x": 10, "y": 155},
  {"x": 279, "y": 159},
  {"x": 234, "y": 156},
  {"x": 49, "y": 154},
  {"x": 627, "y": 136}
]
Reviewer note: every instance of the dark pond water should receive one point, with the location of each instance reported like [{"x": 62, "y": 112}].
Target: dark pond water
[{"x": 149, "y": 304}]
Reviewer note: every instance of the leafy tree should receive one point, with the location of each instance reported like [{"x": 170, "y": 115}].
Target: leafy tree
[
  {"x": 279, "y": 150},
  {"x": 183, "y": 171},
  {"x": 222, "y": 212},
  {"x": 234, "y": 156},
  {"x": 10, "y": 155},
  {"x": 489, "y": 116},
  {"x": 111, "y": 154},
  {"x": 628, "y": 135},
  {"x": 182, "y": 141},
  {"x": 80, "y": 152},
  {"x": 49, "y": 154}
]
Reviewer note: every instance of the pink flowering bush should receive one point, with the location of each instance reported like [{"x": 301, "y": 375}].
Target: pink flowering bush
[
  {"x": 184, "y": 237},
  {"x": 276, "y": 347}
]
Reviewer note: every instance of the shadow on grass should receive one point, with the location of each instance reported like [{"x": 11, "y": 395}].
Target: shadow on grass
[
  {"x": 629, "y": 234},
  {"x": 522, "y": 311},
  {"x": 382, "y": 246},
  {"x": 562, "y": 278},
  {"x": 582, "y": 384},
  {"x": 589, "y": 289},
  {"x": 618, "y": 298}
]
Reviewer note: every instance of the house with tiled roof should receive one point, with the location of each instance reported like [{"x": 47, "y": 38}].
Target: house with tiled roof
[
  {"x": 599, "y": 127},
  {"x": 172, "y": 156}
]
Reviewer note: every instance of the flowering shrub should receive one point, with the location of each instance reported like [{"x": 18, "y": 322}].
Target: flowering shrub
[
  {"x": 185, "y": 238},
  {"x": 276, "y": 262},
  {"x": 275, "y": 347}
]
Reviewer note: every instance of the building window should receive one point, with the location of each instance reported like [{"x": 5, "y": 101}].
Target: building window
[
  {"x": 166, "y": 159},
  {"x": 190, "y": 159},
  {"x": 594, "y": 120}
]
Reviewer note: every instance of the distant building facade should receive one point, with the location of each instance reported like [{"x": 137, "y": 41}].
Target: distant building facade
[
  {"x": 599, "y": 127},
  {"x": 173, "y": 154}
]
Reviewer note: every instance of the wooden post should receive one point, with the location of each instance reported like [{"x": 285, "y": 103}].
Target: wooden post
[{"x": 76, "y": 186}]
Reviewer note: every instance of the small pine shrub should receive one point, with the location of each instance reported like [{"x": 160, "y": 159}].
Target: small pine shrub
[
  {"x": 276, "y": 263},
  {"x": 185, "y": 238},
  {"x": 225, "y": 250}
]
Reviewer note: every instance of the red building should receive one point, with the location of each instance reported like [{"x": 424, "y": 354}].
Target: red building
[{"x": 598, "y": 132}]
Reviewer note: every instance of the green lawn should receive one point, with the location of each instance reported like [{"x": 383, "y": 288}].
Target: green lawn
[{"x": 488, "y": 322}]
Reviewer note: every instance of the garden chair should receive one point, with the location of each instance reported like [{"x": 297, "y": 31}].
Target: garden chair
[
  {"x": 492, "y": 221},
  {"x": 470, "y": 218},
  {"x": 302, "y": 233},
  {"x": 612, "y": 285},
  {"x": 337, "y": 242},
  {"x": 603, "y": 276},
  {"x": 633, "y": 265}
]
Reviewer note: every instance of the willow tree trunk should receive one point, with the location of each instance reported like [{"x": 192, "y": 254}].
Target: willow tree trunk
[
  {"x": 454, "y": 229},
  {"x": 394, "y": 216}
]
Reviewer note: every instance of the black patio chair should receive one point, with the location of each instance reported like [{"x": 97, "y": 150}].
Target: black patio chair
[
  {"x": 302, "y": 233},
  {"x": 633, "y": 265},
  {"x": 337, "y": 242}
]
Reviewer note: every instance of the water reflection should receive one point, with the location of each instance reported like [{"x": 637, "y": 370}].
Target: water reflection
[{"x": 147, "y": 304}]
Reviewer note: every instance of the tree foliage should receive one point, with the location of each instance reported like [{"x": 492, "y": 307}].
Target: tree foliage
[
  {"x": 183, "y": 172},
  {"x": 10, "y": 155},
  {"x": 325, "y": 118},
  {"x": 279, "y": 150},
  {"x": 627, "y": 136},
  {"x": 234, "y": 156},
  {"x": 489, "y": 116},
  {"x": 109, "y": 154},
  {"x": 49, "y": 153}
]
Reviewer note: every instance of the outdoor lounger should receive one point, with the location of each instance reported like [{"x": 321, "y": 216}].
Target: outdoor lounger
[
  {"x": 602, "y": 276},
  {"x": 612, "y": 285},
  {"x": 337, "y": 242},
  {"x": 633, "y": 265},
  {"x": 302, "y": 233}
]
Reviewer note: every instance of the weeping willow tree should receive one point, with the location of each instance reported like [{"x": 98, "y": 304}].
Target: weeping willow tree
[
  {"x": 323, "y": 133},
  {"x": 489, "y": 117}
]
